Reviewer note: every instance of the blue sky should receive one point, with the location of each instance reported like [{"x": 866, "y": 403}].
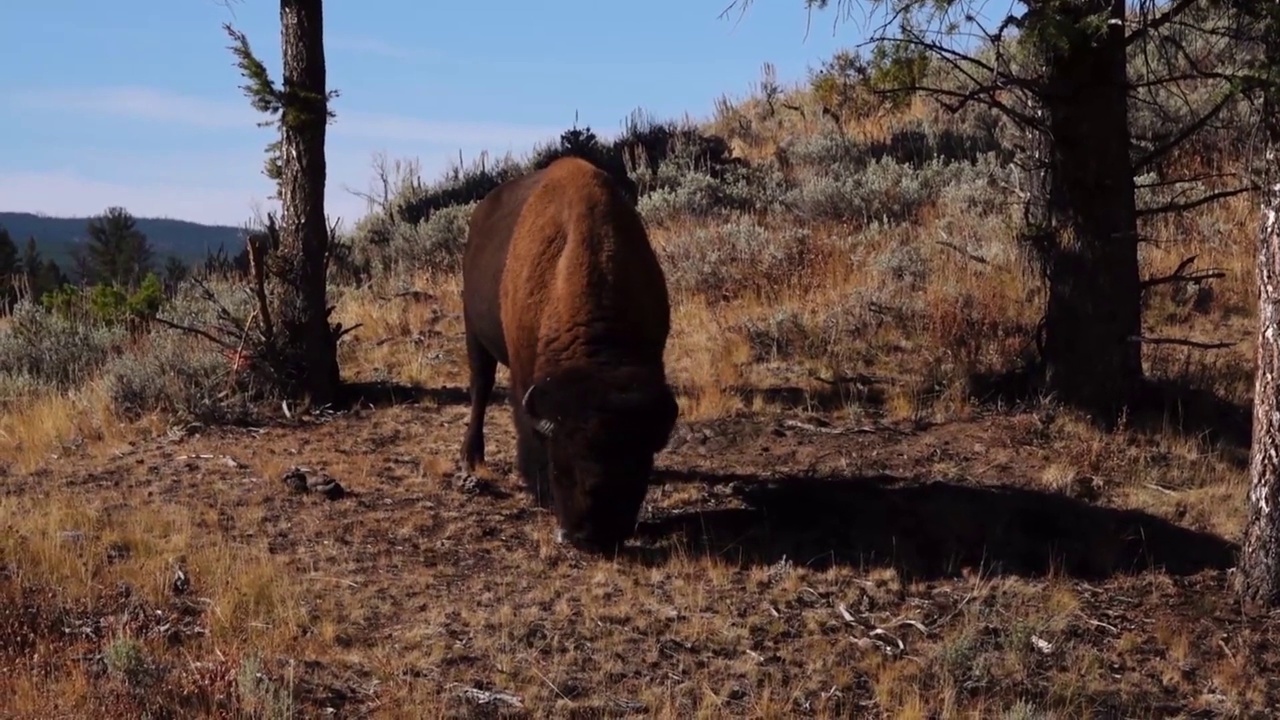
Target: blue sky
[{"x": 137, "y": 102}]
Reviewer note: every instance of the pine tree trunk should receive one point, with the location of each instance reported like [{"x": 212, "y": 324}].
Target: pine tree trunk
[
  {"x": 1090, "y": 258},
  {"x": 304, "y": 337},
  {"x": 1260, "y": 551}
]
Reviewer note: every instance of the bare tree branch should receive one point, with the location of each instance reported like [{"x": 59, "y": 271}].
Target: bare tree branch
[
  {"x": 856, "y": 379},
  {"x": 964, "y": 98},
  {"x": 1177, "y": 79},
  {"x": 196, "y": 331},
  {"x": 1180, "y": 342},
  {"x": 1180, "y": 275},
  {"x": 972, "y": 256},
  {"x": 257, "y": 271},
  {"x": 1168, "y": 16},
  {"x": 1182, "y": 136},
  {"x": 1185, "y": 180},
  {"x": 1193, "y": 204}
]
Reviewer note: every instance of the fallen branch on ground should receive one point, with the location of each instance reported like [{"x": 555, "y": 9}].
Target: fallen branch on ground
[
  {"x": 969, "y": 255},
  {"x": 488, "y": 697},
  {"x": 858, "y": 379}
]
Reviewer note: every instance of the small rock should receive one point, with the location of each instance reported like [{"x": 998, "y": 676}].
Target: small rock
[
  {"x": 491, "y": 697},
  {"x": 468, "y": 483},
  {"x": 331, "y": 490},
  {"x": 296, "y": 480},
  {"x": 302, "y": 480},
  {"x": 473, "y": 485},
  {"x": 117, "y": 551},
  {"x": 181, "y": 582},
  {"x": 1044, "y": 646}
]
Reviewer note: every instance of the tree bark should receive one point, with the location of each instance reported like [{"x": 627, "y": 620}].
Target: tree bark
[
  {"x": 1090, "y": 257},
  {"x": 306, "y": 339},
  {"x": 1260, "y": 552}
]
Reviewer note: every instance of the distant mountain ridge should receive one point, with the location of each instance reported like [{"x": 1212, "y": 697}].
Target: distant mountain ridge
[{"x": 188, "y": 241}]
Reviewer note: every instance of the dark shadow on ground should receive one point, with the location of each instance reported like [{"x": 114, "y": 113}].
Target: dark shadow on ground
[
  {"x": 1164, "y": 404},
  {"x": 383, "y": 394},
  {"x": 926, "y": 530},
  {"x": 828, "y": 398},
  {"x": 1161, "y": 406},
  {"x": 825, "y": 399},
  {"x": 1015, "y": 388}
]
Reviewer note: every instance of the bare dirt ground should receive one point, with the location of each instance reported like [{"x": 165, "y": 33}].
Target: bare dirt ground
[{"x": 788, "y": 564}]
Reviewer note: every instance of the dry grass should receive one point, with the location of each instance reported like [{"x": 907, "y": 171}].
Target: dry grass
[
  {"x": 41, "y": 427},
  {"x": 416, "y": 587},
  {"x": 130, "y": 608},
  {"x": 912, "y": 586}
]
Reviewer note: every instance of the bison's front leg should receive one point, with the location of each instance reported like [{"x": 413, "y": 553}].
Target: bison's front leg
[
  {"x": 484, "y": 368},
  {"x": 532, "y": 460}
]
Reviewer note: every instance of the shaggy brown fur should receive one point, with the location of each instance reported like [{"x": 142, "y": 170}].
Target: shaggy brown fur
[{"x": 561, "y": 285}]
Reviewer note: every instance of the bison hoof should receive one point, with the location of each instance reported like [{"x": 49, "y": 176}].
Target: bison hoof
[{"x": 588, "y": 544}]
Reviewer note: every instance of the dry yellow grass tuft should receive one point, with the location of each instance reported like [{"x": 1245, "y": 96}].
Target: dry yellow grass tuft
[
  {"x": 124, "y": 607},
  {"x": 42, "y": 427}
]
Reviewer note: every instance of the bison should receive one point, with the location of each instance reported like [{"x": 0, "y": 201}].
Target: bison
[{"x": 561, "y": 286}]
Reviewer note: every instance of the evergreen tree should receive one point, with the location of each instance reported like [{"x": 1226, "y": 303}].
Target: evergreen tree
[
  {"x": 118, "y": 252},
  {"x": 30, "y": 268},
  {"x": 51, "y": 277},
  {"x": 82, "y": 265},
  {"x": 35, "y": 272},
  {"x": 175, "y": 271},
  {"x": 8, "y": 270}
]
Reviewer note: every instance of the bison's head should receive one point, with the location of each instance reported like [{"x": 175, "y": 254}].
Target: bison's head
[{"x": 602, "y": 431}]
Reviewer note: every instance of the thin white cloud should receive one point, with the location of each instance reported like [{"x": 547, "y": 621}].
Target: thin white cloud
[
  {"x": 156, "y": 105},
  {"x": 140, "y": 103},
  {"x": 69, "y": 194},
  {"x": 222, "y": 187}
]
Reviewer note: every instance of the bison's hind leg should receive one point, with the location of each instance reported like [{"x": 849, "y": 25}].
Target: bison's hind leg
[
  {"x": 484, "y": 368},
  {"x": 532, "y": 461}
]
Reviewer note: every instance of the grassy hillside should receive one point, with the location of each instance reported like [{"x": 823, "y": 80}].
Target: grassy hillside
[
  {"x": 187, "y": 241},
  {"x": 851, "y": 520}
]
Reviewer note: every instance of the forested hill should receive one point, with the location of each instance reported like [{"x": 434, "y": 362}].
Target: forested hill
[{"x": 188, "y": 241}]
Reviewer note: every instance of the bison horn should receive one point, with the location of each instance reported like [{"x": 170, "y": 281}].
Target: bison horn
[{"x": 543, "y": 425}]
